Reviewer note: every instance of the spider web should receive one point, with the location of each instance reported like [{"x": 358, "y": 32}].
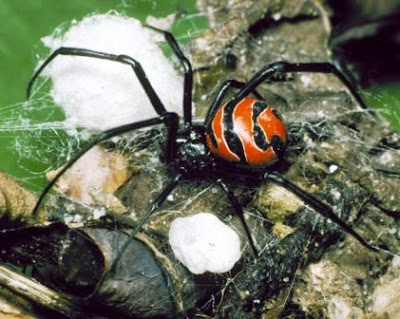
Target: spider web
[
  {"x": 39, "y": 144},
  {"x": 326, "y": 141},
  {"x": 46, "y": 136}
]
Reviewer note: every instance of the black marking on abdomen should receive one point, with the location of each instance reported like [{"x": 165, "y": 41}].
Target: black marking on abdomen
[
  {"x": 259, "y": 136},
  {"x": 231, "y": 137},
  {"x": 211, "y": 134}
]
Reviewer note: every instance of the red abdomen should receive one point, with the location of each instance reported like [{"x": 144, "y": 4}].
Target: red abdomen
[{"x": 249, "y": 132}]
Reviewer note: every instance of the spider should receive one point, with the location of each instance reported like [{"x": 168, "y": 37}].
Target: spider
[{"x": 240, "y": 138}]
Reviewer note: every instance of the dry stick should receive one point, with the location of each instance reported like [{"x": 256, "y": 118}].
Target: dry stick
[{"x": 39, "y": 294}]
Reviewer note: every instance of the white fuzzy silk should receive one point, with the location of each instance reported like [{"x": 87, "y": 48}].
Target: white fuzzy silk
[
  {"x": 100, "y": 94},
  {"x": 203, "y": 243}
]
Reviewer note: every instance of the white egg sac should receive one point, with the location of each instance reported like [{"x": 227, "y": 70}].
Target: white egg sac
[{"x": 203, "y": 243}]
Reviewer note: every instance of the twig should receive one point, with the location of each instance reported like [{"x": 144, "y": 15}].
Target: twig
[{"x": 40, "y": 294}]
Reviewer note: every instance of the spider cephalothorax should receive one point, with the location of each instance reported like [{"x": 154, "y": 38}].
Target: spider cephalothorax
[{"x": 242, "y": 137}]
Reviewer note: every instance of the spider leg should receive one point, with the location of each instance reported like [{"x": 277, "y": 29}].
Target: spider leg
[
  {"x": 188, "y": 74},
  {"x": 239, "y": 212},
  {"x": 153, "y": 208},
  {"x": 169, "y": 119},
  {"x": 321, "y": 208},
  {"x": 285, "y": 67},
  {"x": 124, "y": 59},
  {"x": 221, "y": 93}
]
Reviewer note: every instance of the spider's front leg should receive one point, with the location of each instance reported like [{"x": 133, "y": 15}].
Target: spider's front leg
[
  {"x": 169, "y": 119},
  {"x": 187, "y": 77},
  {"x": 124, "y": 59}
]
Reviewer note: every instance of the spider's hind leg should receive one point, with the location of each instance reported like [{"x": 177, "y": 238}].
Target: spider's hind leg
[
  {"x": 153, "y": 208},
  {"x": 321, "y": 208},
  {"x": 239, "y": 212},
  {"x": 273, "y": 69},
  {"x": 220, "y": 94}
]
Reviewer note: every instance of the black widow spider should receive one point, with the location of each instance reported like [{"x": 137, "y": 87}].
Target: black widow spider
[{"x": 240, "y": 138}]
